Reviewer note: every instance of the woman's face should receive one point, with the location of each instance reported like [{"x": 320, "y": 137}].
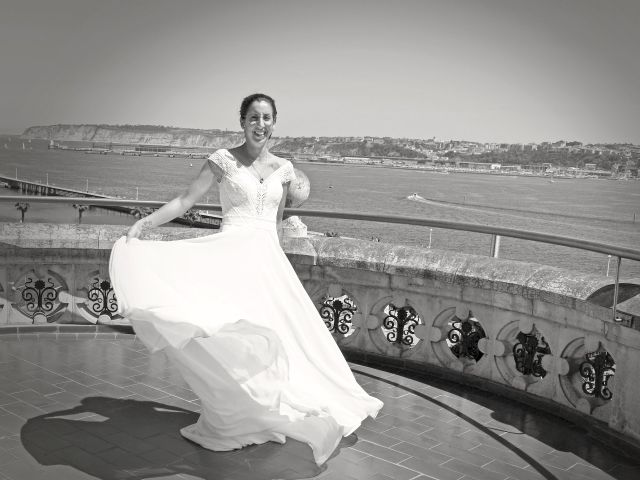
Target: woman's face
[{"x": 258, "y": 124}]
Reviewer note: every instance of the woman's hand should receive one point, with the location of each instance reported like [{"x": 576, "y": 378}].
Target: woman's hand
[
  {"x": 138, "y": 228},
  {"x": 177, "y": 206}
]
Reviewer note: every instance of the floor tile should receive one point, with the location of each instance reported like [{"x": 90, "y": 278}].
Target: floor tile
[
  {"x": 384, "y": 453},
  {"x": 426, "y": 466},
  {"x": 473, "y": 471}
]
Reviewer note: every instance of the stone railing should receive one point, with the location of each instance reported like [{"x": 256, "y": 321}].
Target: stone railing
[{"x": 524, "y": 330}]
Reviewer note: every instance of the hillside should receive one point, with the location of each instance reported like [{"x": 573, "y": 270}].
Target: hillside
[
  {"x": 571, "y": 154},
  {"x": 191, "y": 137},
  {"x": 134, "y": 134}
]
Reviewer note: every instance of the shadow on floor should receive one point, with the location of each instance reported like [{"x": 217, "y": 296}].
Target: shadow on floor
[
  {"x": 544, "y": 442},
  {"x": 114, "y": 439}
]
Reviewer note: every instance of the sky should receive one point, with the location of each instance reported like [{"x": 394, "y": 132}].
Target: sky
[{"x": 478, "y": 70}]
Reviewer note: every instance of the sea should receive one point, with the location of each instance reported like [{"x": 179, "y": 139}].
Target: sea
[{"x": 599, "y": 210}]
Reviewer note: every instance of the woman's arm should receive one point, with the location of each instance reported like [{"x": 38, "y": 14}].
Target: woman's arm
[
  {"x": 178, "y": 205},
  {"x": 283, "y": 200}
]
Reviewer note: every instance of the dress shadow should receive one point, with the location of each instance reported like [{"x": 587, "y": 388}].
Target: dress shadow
[{"x": 115, "y": 439}]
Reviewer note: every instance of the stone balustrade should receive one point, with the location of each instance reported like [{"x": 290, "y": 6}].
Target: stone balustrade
[{"x": 528, "y": 331}]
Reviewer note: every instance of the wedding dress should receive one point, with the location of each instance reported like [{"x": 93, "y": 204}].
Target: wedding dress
[{"x": 231, "y": 313}]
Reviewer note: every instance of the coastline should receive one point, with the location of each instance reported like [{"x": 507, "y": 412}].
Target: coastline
[{"x": 453, "y": 170}]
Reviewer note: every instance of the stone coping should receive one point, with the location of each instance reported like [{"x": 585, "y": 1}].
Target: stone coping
[{"x": 529, "y": 280}]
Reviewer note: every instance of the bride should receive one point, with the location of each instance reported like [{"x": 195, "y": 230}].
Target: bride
[{"x": 231, "y": 313}]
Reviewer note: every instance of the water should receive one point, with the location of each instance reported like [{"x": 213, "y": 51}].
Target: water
[{"x": 590, "y": 209}]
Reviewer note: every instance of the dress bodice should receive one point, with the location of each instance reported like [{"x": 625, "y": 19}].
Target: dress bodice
[{"x": 242, "y": 195}]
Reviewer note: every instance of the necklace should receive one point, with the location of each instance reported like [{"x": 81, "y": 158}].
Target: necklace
[{"x": 259, "y": 175}]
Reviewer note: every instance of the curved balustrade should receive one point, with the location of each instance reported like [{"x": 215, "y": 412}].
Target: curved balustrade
[
  {"x": 525, "y": 330},
  {"x": 495, "y": 231}
]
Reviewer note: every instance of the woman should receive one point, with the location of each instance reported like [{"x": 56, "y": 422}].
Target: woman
[{"x": 230, "y": 311}]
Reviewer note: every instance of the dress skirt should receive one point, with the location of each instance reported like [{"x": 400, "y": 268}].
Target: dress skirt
[{"x": 231, "y": 313}]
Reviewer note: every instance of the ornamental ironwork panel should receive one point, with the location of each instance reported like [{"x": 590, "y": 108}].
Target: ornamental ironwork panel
[
  {"x": 103, "y": 299},
  {"x": 337, "y": 313},
  {"x": 596, "y": 372},
  {"x": 528, "y": 353},
  {"x": 400, "y": 324},
  {"x": 40, "y": 297},
  {"x": 464, "y": 337}
]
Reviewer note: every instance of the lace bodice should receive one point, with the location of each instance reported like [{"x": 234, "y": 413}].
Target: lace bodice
[{"x": 242, "y": 195}]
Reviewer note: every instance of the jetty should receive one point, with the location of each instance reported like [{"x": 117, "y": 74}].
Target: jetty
[{"x": 26, "y": 187}]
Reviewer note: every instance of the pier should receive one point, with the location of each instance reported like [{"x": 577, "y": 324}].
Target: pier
[{"x": 25, "y": 187}]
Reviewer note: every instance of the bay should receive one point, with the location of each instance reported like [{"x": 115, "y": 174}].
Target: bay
[{"x": 592, "y": 209}]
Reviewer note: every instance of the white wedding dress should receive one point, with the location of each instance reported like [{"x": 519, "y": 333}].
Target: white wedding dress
[{"x": 230, "y": 311}]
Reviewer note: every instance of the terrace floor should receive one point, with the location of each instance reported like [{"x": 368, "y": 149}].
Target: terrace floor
[{"x": 98, "y": 405}]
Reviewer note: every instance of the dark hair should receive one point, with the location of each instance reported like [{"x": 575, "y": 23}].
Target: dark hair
[{"x": 246, "y": 103}]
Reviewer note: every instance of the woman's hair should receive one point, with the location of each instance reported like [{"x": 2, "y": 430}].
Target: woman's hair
[{"x": 246, "y": 103}]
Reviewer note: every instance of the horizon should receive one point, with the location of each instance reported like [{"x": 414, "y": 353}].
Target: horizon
[{"x": 485, "y": 71}]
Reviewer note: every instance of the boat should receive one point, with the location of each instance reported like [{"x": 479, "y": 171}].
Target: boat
[{"x": 207, "y": 217}]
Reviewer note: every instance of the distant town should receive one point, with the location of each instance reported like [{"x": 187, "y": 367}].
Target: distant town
[{"x": 560, "y": 159}]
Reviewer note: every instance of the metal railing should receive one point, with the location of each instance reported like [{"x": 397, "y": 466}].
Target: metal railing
[{"x": 496, "y": 232}]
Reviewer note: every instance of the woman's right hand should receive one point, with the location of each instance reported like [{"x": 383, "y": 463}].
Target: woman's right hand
[
  {"x": 177, "y": 206},
  {"x": 137, "y": 228}
]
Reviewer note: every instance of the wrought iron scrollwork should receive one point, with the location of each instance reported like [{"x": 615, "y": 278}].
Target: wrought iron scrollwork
[
  {"x": 528, "y": 353},
  {"x": 464, "y": 338},
  {"x": 400, "y": 324},
  {"x": 40, "y": 297},
  {"x": 596, "y": 372},
  {"x": 103, "y": 298},
  {"x": 337, "y": 313}
]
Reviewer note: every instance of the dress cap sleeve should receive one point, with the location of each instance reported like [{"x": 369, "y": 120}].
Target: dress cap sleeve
[
  {"x": 221, "y": 165},
  {"x": 288, "y": 174}
]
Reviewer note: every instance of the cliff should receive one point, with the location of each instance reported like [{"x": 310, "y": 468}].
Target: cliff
[
  {"x": 135, "y": 134},
  {"x": 191, "y": 137}
]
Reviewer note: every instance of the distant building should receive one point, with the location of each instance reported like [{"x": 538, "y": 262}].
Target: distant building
[
  {"x": 511, "y": 168},
  {"x": 361, "y": 160},
  {"x": 476, "y": 165},
  {"x": 152, "y": 148}
]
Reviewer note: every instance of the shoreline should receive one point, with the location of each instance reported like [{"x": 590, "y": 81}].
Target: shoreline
[{"x": 450, "y": 170}]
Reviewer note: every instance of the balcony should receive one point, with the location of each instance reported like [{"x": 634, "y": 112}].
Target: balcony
[{"x": 488, "y": 368}]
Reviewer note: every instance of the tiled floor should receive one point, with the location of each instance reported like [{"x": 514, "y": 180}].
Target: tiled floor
[{"x": 79, "y": 406}]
